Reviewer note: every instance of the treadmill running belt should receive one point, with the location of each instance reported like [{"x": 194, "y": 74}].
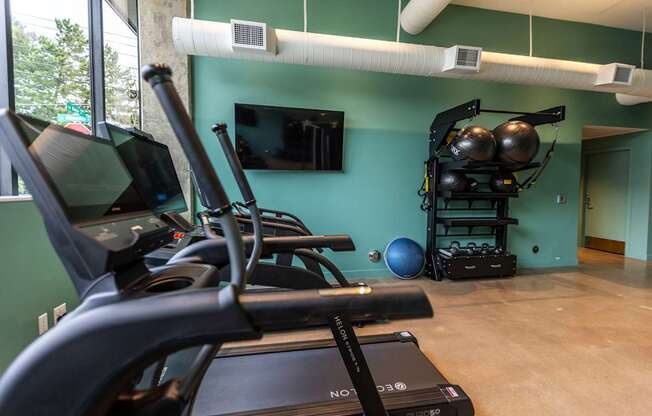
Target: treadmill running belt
[{"x": 314, "y": 381}]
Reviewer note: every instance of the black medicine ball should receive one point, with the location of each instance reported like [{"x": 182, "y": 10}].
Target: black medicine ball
[
  {"x": 517, "y": 143},
  {"x": 473, "y": 143},
  {"x": 502, "y": 182},
  {"x": 453, "y": 181}
]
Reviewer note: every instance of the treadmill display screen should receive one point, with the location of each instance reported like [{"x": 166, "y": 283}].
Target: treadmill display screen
[
  {"x": 87, "y": 173},
  {"x": 153, "y": 171}
]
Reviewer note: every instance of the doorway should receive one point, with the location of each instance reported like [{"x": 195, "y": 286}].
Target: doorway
[{"x": 606, "y": 179}]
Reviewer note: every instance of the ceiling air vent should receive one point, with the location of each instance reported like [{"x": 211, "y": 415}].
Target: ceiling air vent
[
  {"x": 252, "y": 37},
  {"x": 615, "y": 74},
  {"x": 462, "y": 59}
]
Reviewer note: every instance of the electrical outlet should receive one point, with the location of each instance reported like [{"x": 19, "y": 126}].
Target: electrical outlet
[
  {"x": 561, "y": 198},
  {"x": 42, "y": 323},
  {"x": 58, "y": 312}
]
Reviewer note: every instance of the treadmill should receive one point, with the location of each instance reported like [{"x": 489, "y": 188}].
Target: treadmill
[
  {"x": 310, "y": 378},
  {"x": 408, "y": 383}
]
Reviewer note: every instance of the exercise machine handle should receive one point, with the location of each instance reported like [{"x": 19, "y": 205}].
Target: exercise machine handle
[
  {"x": 245, "y": 189},
  {"x": 283, "y": 310},
  {"x": 236, "y": 167},
  {"x": 159, "y": 78}
]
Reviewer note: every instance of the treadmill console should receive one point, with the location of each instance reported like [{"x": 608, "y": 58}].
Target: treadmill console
[
  {"x": 151, "y": 166},
  {"x": 96, "y": 219}
]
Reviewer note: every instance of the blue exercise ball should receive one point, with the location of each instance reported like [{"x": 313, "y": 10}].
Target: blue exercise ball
[{"x": 405, "y": 258}]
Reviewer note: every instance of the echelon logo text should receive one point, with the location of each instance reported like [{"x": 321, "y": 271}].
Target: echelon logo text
[{"x": 382, "y": 388}]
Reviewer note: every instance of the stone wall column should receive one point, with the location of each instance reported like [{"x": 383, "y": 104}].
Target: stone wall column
[{"x": 155, "y": 34}]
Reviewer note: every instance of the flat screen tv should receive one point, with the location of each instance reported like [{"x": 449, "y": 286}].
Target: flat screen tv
[{"x": 281, "y": 138}]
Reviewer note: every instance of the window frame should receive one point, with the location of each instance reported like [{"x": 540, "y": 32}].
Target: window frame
[{"x": 8, "y": 176}]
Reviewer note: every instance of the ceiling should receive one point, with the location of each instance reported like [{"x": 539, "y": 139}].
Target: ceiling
[
  {"x": 625, "y": 14},
  {"x": 596, "y": 132}
]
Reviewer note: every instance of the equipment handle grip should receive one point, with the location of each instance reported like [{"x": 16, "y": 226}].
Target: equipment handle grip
[
  {"x": 305, "y": 308},
  {"x": 159, "y": 78},
  {"x": 234, "y": 162}
]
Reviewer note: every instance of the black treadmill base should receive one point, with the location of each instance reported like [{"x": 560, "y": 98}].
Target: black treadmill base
[{"x": 309, "y": 378}]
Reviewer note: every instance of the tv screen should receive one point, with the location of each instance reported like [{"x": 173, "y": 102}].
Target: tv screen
[{"x": 281, "y": 138}]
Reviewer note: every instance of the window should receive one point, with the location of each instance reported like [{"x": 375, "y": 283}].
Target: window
[
  {"x": 51, "y": 62},
  {"x": 64, "y": 72},
  {"x": 121, "y": 75}
]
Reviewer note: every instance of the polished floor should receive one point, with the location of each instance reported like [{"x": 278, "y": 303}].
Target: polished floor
[{"x": 574, "y": 341}]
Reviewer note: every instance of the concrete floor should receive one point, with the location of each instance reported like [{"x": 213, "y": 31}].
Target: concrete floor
[{"x": 574, "y": 341}]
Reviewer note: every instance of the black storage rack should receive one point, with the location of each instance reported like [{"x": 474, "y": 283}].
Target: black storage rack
[{"x": 437, "y": 201}]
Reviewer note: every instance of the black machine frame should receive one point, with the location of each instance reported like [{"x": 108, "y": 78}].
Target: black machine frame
[{"x": 440, "y": 129}]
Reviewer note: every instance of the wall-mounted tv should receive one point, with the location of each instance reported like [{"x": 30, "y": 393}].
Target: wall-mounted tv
[{"x": 281, "y": 138}]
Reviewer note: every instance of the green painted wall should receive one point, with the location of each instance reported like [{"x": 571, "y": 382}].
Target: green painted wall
[
  {"x": 638, "y": 179},
  {"x": 387, "y": 117},
  {"x": 33, "y": 278}
]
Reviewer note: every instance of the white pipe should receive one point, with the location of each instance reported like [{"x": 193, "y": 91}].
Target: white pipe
[
  {"x": 418, "y": 14},
  {"x": 625, "y": 99},
  {"x": 197, "y": 37},
  {"x": 398, "y": 23}
]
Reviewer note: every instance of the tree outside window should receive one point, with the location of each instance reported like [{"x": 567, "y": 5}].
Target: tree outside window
[{"x": 52, "y": 65}]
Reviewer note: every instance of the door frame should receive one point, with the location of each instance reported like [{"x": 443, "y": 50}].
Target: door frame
[{"x": 583, "y": 187}]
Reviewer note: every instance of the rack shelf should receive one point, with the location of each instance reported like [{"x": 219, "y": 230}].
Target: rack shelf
[
  {"x": 482, "y": 167},
  {"x": 487, "y": 196},
  {"x": 476, "y": 221},
  {"x": 441, "y": 229}
]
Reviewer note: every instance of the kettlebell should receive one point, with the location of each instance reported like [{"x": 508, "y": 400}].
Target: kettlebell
[
  {"x": 471, "y": 249},
  {"x": 485, "y": 250},
  {"x": 455, "y": 248}
]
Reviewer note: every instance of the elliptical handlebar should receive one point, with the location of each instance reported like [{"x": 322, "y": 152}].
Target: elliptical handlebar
[
  {"x": 245, "y": 189},
  {"x": 160, "y": 79},
  {"x": 234, "y": 163}
]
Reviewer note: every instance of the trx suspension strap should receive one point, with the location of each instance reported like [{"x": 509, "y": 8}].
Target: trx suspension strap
[{"x": 532, "y": 179}]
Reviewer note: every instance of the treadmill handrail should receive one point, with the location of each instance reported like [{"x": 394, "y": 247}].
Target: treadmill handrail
[
  {"x": 277, "y": 216},
  {"x": 214, "y": 251},
  {"x": 289, "y": 228}
]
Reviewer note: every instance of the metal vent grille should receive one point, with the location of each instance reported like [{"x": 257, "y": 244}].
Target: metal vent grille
[
  {"x": 248, "y": 35},
  {"x": 622, "y": 74},
  {"x": 467, "y": 57}
]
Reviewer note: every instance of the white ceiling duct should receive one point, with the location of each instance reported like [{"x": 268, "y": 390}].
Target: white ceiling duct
[
  {"x": 197, "y": 37},
  {"x": 418, "y": 14},
  {"x": 625, "y": 99}
]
